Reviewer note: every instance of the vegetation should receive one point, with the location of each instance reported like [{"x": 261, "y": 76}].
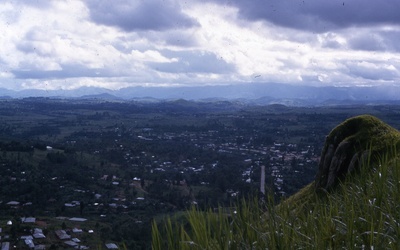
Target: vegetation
[
  {"x": 361, "y": 213},
  {"x": 366, "y": 132},
  {"x": 121, "y": 165}
]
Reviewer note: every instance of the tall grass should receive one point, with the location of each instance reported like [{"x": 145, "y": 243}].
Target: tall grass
[{"x": 363, "y": 213}]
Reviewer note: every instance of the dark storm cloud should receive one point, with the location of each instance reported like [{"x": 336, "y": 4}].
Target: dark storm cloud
[
  {"x": 376, "y": 41},
  {"x": 67, "y": 71},
  {"x": 317, "y": 15},
  {"x": 368, "y": 42},
  {"x": 371, "y": 71},
  {"x": 139, "y": 15},
  {"x": 193, "y": 62}
]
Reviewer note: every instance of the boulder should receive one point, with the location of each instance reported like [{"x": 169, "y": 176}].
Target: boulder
[{"x": 356, "y": 141}]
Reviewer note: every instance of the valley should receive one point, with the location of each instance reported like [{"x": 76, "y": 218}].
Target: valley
[{"x": 102, "y": 171}]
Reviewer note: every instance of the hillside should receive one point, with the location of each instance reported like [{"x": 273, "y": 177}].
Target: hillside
[{"x": 352, "y": 204}]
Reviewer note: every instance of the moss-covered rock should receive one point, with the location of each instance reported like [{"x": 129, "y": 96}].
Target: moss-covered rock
[{"x": 356, "y": 140}]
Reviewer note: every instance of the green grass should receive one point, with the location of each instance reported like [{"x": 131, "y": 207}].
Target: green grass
[{"x": 363, "y": 212}]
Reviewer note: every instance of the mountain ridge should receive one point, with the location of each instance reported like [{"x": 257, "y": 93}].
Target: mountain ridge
[{"x": 256, "y": 93}]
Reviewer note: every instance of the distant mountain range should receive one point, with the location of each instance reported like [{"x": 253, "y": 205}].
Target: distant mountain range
[{"x": 267, "y": 93}]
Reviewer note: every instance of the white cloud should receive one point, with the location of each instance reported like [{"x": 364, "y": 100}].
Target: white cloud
[
  {"x": 151, "y": 56},
  {"x": 60, "y": 44}
]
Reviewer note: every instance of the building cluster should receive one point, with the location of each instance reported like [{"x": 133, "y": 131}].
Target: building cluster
[
  {"x": 38, "y": 237},
  {"x": 279, "y": 158}
]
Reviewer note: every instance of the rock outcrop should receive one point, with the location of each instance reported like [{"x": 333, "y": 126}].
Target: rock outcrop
[{"x": 355, "y": 141}]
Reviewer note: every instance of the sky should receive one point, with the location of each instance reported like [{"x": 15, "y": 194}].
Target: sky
[{"x": 57, "y": 44}]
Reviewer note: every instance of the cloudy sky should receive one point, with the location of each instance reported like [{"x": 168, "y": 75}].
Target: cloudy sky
[{"x": 67, "y": 44}]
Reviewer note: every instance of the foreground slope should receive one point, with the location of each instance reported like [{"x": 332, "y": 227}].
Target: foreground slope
[
  {"x": 361, "y": 141},
  {"x": 353, "y": 203}
]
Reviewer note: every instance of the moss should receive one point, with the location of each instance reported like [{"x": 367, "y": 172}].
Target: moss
[{"x": 365, "y": 131}]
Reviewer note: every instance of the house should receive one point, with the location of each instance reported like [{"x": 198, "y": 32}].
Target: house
[
  {"x": 78, "y": 219},
  {"x": 77, "y": 230},
  {"x": 39, "y": 236},
  {"x": 29, "y": 243},
  {"x": 111, "y": 246},
  {"x": 5, "y": 246},
  {"x": 38, "y": 233},
  {"x": 26, "y": 237},
  {"x": 13, "y": 203},
  {"x": 69, "y": 205},
  {"x": 72, "y": 204},
  {"x": 28, "y": 219},
  {"x": 113, "y": 205},
  {"x": 71, "y": 243},
  {"x": 62, "y": 235}
]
